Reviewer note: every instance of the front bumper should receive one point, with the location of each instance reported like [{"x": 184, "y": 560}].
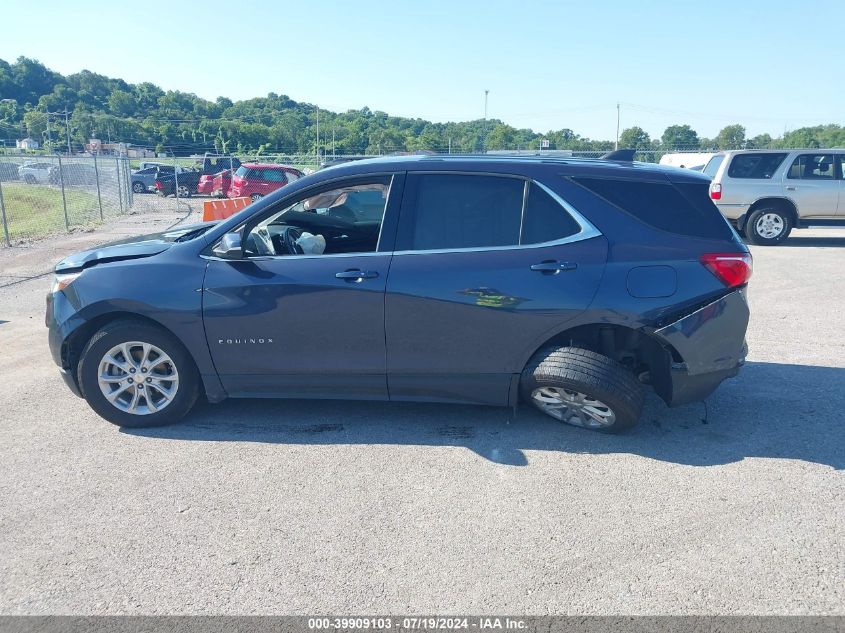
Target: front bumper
[
  {"x": 61, "y": 320},
  {"x": 711, "y": 345}
]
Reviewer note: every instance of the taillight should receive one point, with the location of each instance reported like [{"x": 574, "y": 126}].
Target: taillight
[
  {"x": 715, "y": 191},
  {"x": 158, "y": 185},
  {"x": 732, "y": 269}
]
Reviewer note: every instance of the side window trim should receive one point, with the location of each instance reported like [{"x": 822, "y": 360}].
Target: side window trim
[{"x": 587, "y": 229}]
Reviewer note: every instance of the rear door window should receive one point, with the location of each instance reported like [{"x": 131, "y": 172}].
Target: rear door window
[
  {"x": 762, "y": 165},
  {"x": 683, "y": 208},
  {"x": 452, "y": 211},
  {"x": 813, "y": 167}
]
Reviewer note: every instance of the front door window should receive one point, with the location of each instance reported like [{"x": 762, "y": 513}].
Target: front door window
[{"x": 346, "y": 219}]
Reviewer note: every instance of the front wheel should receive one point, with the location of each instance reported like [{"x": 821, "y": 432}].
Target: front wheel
[
  {"x": 582, "y": 388},
  {"x": 134, "y": 374},
  {"x": 767, "y": 227}
]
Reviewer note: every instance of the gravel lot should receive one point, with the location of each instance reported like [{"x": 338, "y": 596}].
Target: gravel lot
[{"x": 335, "y": 507}]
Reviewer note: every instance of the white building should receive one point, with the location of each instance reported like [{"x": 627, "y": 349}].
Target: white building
[{"x": 26, "y": 143}]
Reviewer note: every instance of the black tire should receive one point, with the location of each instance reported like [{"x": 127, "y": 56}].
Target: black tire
[
  {"x": 256, "y": 196},
  {"x": 29, "y": 179},
  {"x": 752, "y": 234},
  {"x": 138, "y": 187},
  {"x": 588, "y": 373},
  {"x": 124, "y": 331}
]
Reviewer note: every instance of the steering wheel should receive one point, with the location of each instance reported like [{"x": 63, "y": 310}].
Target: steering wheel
[
  {"x": 263, "y": 243},
  {"x": 290, "y": 235}
]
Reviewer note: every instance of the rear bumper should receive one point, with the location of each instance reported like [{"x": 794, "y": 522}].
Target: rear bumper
[
  {"x": 688, "y": 387},
  {"x": 711, "y": 345}
]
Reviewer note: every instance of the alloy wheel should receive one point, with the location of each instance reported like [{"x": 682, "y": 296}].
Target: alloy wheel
[
  {"x": 769, "y": 226},
  {"x": 573, "y": 407},
  {"x": 138, "y": 378}
]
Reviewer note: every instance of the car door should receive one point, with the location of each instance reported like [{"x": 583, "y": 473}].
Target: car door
[
  {"x": 811, "y": 182},
  {"x": 306, "y": 325},
  {"x": 486, "y": 268}
]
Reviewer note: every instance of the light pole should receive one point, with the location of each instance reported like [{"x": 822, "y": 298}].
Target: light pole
[{"x": 617, "y": 125}]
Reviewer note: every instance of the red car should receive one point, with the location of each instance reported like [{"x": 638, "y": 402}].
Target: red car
[
  {"x": 222, "y": 182},
  {"x": 206, "y": 184},
  {"x": 256, "y": 180}
]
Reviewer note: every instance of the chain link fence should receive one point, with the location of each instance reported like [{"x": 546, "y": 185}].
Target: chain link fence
[{"x": 45, "y": 194}]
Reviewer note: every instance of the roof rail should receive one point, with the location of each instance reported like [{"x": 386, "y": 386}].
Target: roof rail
[{"x": 626, "y": 155}]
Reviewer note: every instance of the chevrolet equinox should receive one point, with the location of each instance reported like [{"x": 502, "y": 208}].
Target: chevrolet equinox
[{"x": 571, "y": 284}]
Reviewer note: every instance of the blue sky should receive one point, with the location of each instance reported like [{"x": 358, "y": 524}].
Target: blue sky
[{"x": 548, "y": 65}]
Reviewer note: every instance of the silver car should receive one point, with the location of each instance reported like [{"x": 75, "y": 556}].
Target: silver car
[
  {"x": 35, "y": 173},
  {"x": 767, "y": 193}
]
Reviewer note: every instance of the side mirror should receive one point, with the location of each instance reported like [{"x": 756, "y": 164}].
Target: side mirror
[{"x": 229, "y": 247}]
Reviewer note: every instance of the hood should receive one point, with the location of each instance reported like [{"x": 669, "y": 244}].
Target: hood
[{"x": 132, "y": 248}]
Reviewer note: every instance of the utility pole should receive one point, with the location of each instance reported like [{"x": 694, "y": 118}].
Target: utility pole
[
  {"x": 486, "y": 92},
  {"x": 317, "y": 147},
  {"x": 67, "y": 129},
  {"x": 49, "y": 138},
  {"x": 617, "y": 125}
]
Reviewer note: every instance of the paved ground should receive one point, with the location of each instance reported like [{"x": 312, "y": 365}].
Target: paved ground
[{"x": 308, "y": 507}]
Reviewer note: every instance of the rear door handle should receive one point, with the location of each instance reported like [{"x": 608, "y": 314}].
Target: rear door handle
[
  {"x": 356, "y": 274},
  {"x": 553, "y": 267}
]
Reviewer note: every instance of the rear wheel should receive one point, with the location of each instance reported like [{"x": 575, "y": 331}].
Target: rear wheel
[
  {"x": 134, "y": 374},
  {"x": 138, "y": 187},
  {"x": 768, "y": 227},
  {"x": 582, "y": 388},
  {"x": 184, "y": 191},
  {"x": 29, "y": 179},
  {"x": 255, "y": 196}
]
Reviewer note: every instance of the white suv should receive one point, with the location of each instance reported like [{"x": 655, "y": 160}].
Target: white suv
[{"x": 767, "y": 193}]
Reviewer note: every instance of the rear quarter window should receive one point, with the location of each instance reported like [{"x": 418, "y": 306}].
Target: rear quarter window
[
  {"x": 761, "y": 166},
  {"x": 713, "y": 166},
  {"x": 684, "y": 209}
]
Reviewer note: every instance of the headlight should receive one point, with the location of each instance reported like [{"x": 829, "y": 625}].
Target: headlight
[{"x": 62, "y": 281}]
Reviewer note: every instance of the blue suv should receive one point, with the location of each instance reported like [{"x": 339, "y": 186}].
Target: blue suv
[{"x": 570, "y": 284}]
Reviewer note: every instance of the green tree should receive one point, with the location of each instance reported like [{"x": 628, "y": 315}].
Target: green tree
[
  {"x": 501, "y": 137},
  {"x": 731, "y": 137},
  {"x": 121, "y": 103},
  {"x": 634, "y": 138},
  {"x": 679, "y": 137},
  {"x": 761, "y": 141}
]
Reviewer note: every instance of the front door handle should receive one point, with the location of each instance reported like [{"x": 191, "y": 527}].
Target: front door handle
[
  {"x": 553, "y": 267},
  {"x": 356, "y": 274}
]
